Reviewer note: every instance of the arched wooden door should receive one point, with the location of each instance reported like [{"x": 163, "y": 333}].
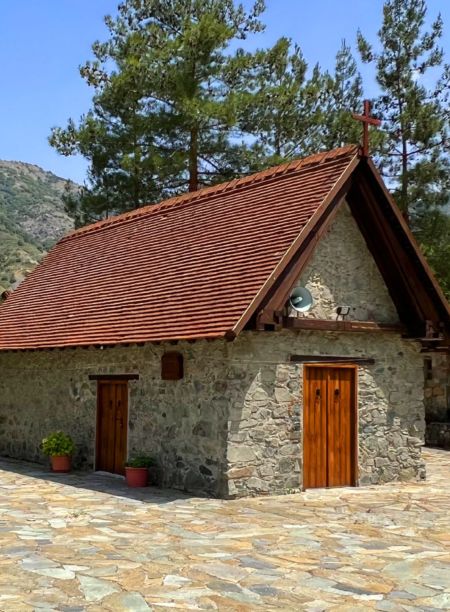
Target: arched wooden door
[
  {"x": 112, "y": 426},
  {"x": 329, "y": 426}
]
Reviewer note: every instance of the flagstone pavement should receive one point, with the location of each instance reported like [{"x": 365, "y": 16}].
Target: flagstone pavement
[{"x": 85, "y": 542}]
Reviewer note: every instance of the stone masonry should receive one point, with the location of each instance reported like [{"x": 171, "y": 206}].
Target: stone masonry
[
  {"x": 233, "y": 425},
  {"x": 181, "y": 423},
  {"x": 342, "y": 272},
  {"x": 437, "y": 388},
  {"x": 265, "y": 440},
  {"x": 265, "y": 431}
]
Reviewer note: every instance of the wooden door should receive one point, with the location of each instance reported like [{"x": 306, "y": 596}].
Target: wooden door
[
  {"x": 329, "y": 426},
  {"x": 315, "y": 470},
  {"x": 112, "y": 425}
]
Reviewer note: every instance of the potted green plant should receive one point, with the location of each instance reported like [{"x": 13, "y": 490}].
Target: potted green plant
[
  {"x": 137, "y": 471},
  {"x": 59, "y": 447}
]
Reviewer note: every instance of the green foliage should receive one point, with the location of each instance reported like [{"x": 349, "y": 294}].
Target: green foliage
[
  {"x": 414, "y": 152},
  {"x": 141, "y": 462},
  {"x": 165, "y": 105},
  {"x": 432, "y": 228},
  {"x": 179, "y": 105},
  {"x": 292, "y": 112},
  {"x": 57, "y": 444},
  {"x": 342, "y": 95},
  {"x": 295, "y": 114},
  {"x": 275, "y": 114}
]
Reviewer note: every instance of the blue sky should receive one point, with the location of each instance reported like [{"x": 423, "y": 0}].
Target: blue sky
[{"x": 42, "y": 43}]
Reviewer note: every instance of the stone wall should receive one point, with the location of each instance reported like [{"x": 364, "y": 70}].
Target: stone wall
[
  {"x": 182, "y": 423},
  {"x": 265, "y": 432},
  {"x": 233, "y": 425},
  {"x": 342, "y": 272}
]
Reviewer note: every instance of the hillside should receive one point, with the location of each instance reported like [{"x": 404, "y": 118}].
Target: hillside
[{"x": 32, "y": 218}]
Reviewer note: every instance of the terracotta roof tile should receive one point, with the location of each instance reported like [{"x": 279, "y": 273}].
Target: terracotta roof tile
[{"x": 185, "y": 268}]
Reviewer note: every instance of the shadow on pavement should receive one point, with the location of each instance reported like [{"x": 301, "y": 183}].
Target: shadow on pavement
[{"x": 93, "y": 481}]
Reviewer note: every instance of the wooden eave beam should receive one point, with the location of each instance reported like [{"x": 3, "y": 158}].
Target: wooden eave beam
[
  {"x": 422, "y": 287},
  {"x": 378, "y": 221},
  {"x": 341, "y": 326},
  {"x": 444, "y": 349},
  {"x": 342, "y": 359},
  {"x": 113, "y": 376}
]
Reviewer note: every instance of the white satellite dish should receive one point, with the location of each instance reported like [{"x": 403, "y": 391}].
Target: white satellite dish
[{"x": 301, "y": 299}]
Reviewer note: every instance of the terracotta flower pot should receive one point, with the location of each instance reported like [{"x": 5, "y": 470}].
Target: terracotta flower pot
[
  {"x": 136, "y": 477},
  {"x": 61, "y": 463}
]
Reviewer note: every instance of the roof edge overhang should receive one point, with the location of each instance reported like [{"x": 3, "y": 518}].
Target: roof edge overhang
[
  {"x": 116, "y": 344},
  {"x": 410, "y": 238}
]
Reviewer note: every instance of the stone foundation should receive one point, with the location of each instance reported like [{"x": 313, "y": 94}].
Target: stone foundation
[{"x": 437, "y": 400}]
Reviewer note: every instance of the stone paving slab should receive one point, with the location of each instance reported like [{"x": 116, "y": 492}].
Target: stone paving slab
[{"x": 85, "y": 542}]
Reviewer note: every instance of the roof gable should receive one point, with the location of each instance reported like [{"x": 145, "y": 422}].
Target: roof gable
[
  {"x": 352, "y": 280},
  {"x": 191, "y": 267},
  {"x": 420, "y": 302},
  {"x": 416, "y": 293}
]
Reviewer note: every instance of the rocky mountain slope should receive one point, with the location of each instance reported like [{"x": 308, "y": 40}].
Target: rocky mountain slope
[{"x": 32, "y": 218}]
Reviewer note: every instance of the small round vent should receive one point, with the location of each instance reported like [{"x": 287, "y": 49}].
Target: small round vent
[{"x": 301, "y": 299}]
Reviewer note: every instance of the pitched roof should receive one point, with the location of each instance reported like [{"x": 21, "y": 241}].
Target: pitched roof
[{"x": 191, "y": 267}]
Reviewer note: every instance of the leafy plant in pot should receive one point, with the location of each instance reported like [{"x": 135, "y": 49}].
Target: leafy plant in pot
[
  {"x": 59, "y": 447},
  {"x": 137, "y": 471}
]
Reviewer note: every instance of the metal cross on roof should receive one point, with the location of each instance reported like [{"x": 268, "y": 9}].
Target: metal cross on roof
[{"x": 366, "y": 120}]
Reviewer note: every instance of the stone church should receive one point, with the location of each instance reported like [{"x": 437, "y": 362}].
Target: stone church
[{"x": 262, "y": 336}]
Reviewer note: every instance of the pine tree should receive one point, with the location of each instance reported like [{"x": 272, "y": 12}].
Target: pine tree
[
  {"x": 166, "y": 108},
  {"x": 432, "y": 228},
  {"x": 276, "y": 112},
  {"x": 343, "y": 94},
  {"x": 414, "y": 153},
  {"x": 296, "y": 113}
]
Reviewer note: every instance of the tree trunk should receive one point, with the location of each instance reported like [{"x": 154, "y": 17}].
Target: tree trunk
[
  {"x": 193, "y": 160},
  {"x": 404, "y": 180},
  {"x": 136, "y": 174},
  {"x": 404, "y": 174}
]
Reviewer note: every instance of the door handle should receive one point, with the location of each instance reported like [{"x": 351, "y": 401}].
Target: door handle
[{"x": 119, "y": 418}]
